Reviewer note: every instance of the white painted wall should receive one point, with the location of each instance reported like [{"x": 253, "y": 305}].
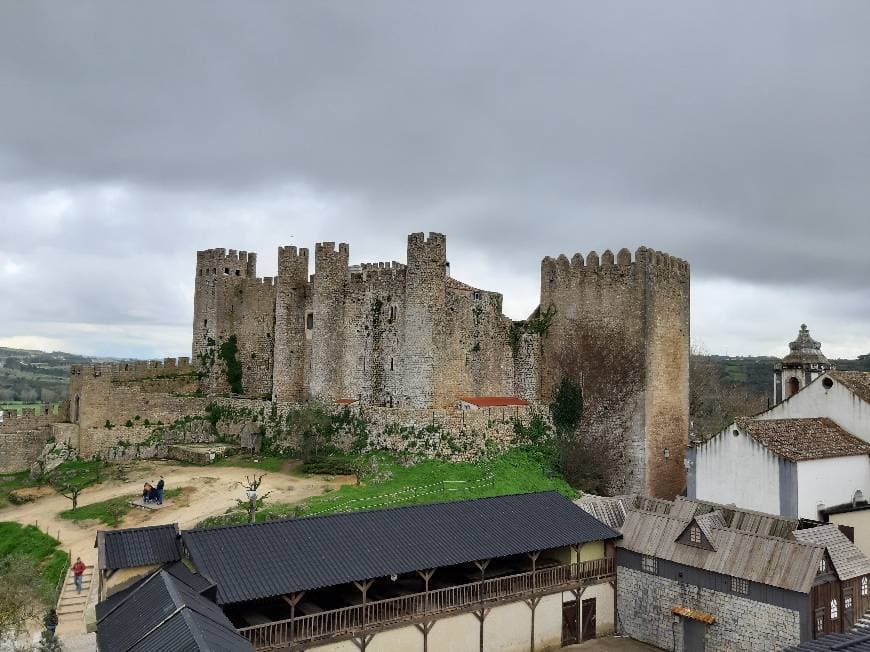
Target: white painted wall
[
  {"x": 836, "y": 403},
  {"x": 831, "y": 481},
  {"x": 737, "y": 470},
  {"x": 860, "y": 520}
]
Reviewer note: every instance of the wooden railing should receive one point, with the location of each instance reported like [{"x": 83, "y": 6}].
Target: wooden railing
[{"x": 373, "y": 615}]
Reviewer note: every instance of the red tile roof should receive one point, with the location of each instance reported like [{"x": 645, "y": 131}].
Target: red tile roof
[
  {"x": 493, "y": 401},
  {"x": 346, "y": 401},
  {"x": 804, "y": 439}
]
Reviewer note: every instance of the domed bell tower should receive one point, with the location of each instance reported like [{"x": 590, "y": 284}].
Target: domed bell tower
[{"x": 804, "y": 363}]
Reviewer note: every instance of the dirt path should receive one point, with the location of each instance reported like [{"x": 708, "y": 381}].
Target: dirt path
[{"x": 209, "y": 491}]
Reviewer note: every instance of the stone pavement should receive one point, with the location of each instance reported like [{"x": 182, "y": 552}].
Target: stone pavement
[{"x": 611, "y": 644}]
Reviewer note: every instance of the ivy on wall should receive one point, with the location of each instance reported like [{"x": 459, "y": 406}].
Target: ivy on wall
[{"x": 229, "y": 354}]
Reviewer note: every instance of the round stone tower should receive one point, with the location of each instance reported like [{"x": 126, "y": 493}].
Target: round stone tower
[{"x": 804, "y": 363}]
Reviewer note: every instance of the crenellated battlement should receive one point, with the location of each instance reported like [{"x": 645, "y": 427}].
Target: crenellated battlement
[
  {"x": 328, "y": 249},
  {"x": 561, "y": 270},
  {"x": 223, "y": 262},
  {"x": 30, "y": 412},
  {"x": 134, "y": 370}
]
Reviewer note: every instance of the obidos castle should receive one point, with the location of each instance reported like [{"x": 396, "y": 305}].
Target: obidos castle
[
  {"x": 410, "y": 335},
  {"x": 406, "y": 346}
]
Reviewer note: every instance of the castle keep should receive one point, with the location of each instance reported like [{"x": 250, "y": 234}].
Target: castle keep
[
  {"x": 430, "y": 364},
  {"x": 410, "y": 335}
]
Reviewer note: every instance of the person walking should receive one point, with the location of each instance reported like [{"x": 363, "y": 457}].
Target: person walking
[
  {"x": 160, "y": 491},
  {"x": 78, "y": 570}
]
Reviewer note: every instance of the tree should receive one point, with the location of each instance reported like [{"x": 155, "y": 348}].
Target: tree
[
  {"x": 713, "y": 404},
  {"x": 253, "y": 501},
  {"x": 70, "y": 479},
  {"x": 24, "y": 594}
]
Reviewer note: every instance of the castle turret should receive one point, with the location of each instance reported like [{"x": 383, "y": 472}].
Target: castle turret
[
  {"x": 291, "y": 319},
  {"x": 804, "y": 363},
  {"x": 329, "y": 287},
  {"x": 620, "y": 329},
  {"x": 425, "y": 287}
]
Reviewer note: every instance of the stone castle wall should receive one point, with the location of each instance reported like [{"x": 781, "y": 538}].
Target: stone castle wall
[
  {"x": 644, "y": 603},
  {"x": 620, "y": 328},
  {"x": 23, "y": 436}
]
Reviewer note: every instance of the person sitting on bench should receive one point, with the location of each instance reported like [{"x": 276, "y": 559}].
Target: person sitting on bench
[{"x": 148, "y": 493}]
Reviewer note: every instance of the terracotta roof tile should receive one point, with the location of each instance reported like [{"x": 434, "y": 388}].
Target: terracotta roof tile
[
  {"x": 803, "y": 439},
  {"x": 857, "y": 382}
]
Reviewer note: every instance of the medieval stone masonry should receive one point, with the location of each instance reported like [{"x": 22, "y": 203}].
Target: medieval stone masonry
[
  {"x": 410, "y": 335},
  {"x": 406, "y": 341}
]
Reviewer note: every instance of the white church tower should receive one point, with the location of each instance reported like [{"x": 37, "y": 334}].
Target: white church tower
[{"x": 804, "y": 363}]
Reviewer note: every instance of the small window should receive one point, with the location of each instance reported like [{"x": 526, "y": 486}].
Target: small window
[
  {"x": 477, "y": 296},
  {"x": 740, "y": 586},
  {"x": 227, "y": 271},
  {"x": 835, "y": 613},
  {"x": 205, "y": 323},
  {"x": 238, "y": 272},
  {"x": 820, "y": 622},
  {"x": 392, "y": 314},
  {"x": 865, "y": 590},
  {"x": 823, "y": 565},
  {"x": 309, "y": 321},
  {"x": 667, "y": 453},
  {"x": 827, "y": 383},
  {"x": 649, "y": 565},
  {"x": 695, "y": 534},
  {"x": 391, "y": 364},
  {"x": 847, "y": 602},
  {"x": 736, "y": 433}
]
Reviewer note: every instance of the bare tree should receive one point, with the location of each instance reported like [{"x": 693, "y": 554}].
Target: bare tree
[{"x": 254, "y": 501}]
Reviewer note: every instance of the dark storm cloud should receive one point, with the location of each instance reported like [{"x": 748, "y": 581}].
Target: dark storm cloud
[{"x": 733, "y": 134}]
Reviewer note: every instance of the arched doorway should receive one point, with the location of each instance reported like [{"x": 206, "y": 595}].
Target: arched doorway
[{"x": 794, "y": 386}]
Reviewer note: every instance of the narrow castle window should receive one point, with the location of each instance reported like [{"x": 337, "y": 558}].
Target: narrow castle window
[
  {"x": 477, "y": 296},
  {"x": 392, "y": 314},
  {"x": 226, "y": 271},
  {"x": 309, "y": 321},
  {"x": 391, "y": 364},
  {"x": 238, "y": 272},
  {"x": 205, "y": 323}
]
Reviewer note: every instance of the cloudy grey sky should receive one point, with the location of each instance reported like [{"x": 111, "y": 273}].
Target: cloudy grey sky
[{"x": 734, "y": 134}]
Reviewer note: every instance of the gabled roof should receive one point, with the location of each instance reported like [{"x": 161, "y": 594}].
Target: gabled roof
[
  {"x": 162, "y": 614},
  {"x": 140, "y": 546},
  {"x": 799, "y": 440},
  {"x": 857, "y": 382},
  {"x": 195, "y": 582},
  {"x": 848, "y": 560},
  {"x": 774, "y": 561},
  {"x": 249, "y": 562},
  {"x": 610, "y": 510},
  {"x": 493, "y": 401}
]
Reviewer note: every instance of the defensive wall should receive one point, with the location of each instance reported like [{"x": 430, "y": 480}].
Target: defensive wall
[
  {"x": 23, "y": 436},
  {"x": 620, "y": 326}
]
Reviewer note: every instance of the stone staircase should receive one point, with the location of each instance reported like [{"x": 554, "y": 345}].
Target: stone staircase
[{"x": 71, "y": 605}]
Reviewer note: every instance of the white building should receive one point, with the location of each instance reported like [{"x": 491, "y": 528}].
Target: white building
[{"x": 790, "y": 467}]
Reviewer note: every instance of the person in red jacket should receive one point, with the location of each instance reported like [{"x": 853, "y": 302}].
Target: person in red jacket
[{"x": 78, "y": 570}]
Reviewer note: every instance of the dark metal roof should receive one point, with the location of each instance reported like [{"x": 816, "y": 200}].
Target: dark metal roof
[
  {"x": 162, "y": 614},
  {"x": 178, "y": 570},
  {"x": 858, "y": 640},
  {"x": 248, "y": 562},
  {"x": 140, "y": 546}
]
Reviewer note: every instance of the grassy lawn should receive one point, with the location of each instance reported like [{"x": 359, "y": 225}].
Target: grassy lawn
[
  {"x": 18, "y": 406},
  {"x": 110, "y": 512},
  {"x": 516, "y": 471},
  {"x": 265, "y": 463},
  {"x": 27, "y": 540}
]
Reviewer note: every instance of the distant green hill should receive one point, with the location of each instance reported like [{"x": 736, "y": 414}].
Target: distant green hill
[{"x": 28, "y": 376}]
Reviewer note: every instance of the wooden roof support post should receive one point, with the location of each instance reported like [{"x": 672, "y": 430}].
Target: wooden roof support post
[
  {"x": 426, "y": 575},
  {"x": 363, "y": 640},
  {"x": 482, "y": 613},
  {"x": 533, "y": 556},
  {"x": 293, "y": 599},
  {"x": 424, "y": 628},
  {"x": 575, "y": 565}
]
